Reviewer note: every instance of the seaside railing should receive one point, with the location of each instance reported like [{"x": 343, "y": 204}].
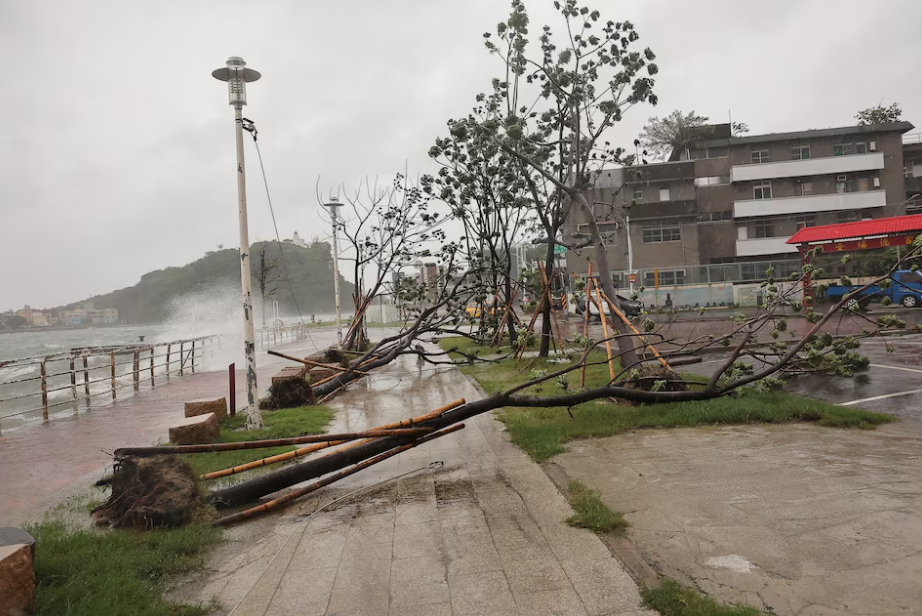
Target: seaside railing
[
  {"x": 44, "y": 383},
  {"x": 77, "y": 376}
]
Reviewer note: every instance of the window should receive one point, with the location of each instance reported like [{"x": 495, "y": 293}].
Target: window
[
  {"x": 844, "y": 149},
  {"x": 760, "y": 156},
  {"x": 762, "y": 190},
  {"x": 712, "y": 180},
  {"x": 803, "y": 189},
  {"x": 662, "y": 233},
  {"x": 765, "y": 228},
  {"x": 716, "y": 216},
  {"x": 667, "y": 278},
  {"x": 800, "y": 152},
  {"x": 664, "y": 194},
  {"x": 846, "y": 184},
  {"x": 909, "y": 277},
  {"x": 909, "y": 164},
  {"x": 864, "y": 184},
  {"x": 805, "y": 220},
  {"x": 637, "y": 194}
]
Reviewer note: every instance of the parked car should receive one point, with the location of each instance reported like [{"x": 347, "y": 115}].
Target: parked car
[
  {"x": 631, "y": 307},
  {"x": 905, "y": 288}
]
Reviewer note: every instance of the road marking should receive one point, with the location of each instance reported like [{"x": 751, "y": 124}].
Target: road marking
[
  {"x": 896, "y": 368},
  {"x": 885, "y": 396}
]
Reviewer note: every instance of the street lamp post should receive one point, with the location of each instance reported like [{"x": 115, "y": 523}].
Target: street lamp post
[
  {"x": 237, "y": 75},
  {"x": 333, "y": 205}
]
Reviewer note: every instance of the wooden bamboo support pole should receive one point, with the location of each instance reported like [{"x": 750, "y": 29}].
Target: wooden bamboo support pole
[
  {"x": 406, "y": 423},
  {"x": 627, "y": 322},
  {"x": 547, "y": 288},
  {"x": 582, "y": 378},
  {"x": 336, "y": 376},
  {"x": 308, "y": 362},
  {"x": 261, "y": 444},
  {"x": 603, "y": 318},
  {"x": 295, "y": 494},
  {"x": 499, "y": 330}
]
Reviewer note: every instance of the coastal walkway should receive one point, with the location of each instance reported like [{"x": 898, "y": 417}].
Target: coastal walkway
[{"x": 44, "y": 463}]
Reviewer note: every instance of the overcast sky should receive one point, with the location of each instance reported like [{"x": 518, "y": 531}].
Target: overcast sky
[{"x": 116, "y": 144}]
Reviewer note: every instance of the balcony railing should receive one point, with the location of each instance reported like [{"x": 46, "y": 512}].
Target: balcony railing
[
  {"x": 826, "y": 165},
  {"x": 860, "y": 200}
]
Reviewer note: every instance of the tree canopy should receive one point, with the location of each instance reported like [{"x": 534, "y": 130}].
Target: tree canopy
[{"x": 879, "y": 115}]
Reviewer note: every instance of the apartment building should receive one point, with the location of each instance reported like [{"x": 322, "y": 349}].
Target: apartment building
[{"x": 723, "y": 209}]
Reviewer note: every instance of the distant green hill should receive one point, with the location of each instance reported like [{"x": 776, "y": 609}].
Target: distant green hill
[{"x": 309, "y": 267}]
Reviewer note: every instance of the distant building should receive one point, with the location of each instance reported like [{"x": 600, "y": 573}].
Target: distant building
[
  {"x": 721, "y": 210},
  {"x": 25, "y": 313},
  {"x": 296, "y": 239},
  {"x": 73, "y": 317},
  {"x": 40, "y": 319},
  {"x": 106, "y": 316}
]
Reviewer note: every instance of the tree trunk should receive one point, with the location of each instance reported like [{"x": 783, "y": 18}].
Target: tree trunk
[
  {"x": 546, "y": 306},
  {"x": 625, "y": 342},
  {"x": 510, "y": 322}
]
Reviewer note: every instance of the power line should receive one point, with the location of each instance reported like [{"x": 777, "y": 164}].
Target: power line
[{"x": 250, "y": 126}]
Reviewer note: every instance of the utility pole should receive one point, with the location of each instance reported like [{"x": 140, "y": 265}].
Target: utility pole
[
  {"x": 333, "y": 205},
  {"x": 237, "y": 75}
]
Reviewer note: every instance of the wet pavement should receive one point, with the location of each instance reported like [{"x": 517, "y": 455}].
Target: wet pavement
[
  {"x": 44, "y": 463},
  {"x": 797, "y": 518},
  {"x": 465, "y": 525}
]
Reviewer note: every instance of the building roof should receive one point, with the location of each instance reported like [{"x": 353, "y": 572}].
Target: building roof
[
  {"x": 854, "y": 230},
  {"x": 902, "y": 127}
]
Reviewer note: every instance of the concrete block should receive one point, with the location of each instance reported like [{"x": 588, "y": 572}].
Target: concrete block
[
  {"x": 218, "y": 406},
  {"x": 195, "y": 430},
  {"x": 17, "y": 580},
  {"x": 291, "y": 372}
]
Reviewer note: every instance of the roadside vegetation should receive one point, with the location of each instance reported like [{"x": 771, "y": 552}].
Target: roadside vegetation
[
  {"x": 543, "y": 432},
  {"x": 283, "y": 423},
  {"x": 85, "y": 571},
  {"x": 591, "y": 512},
  {"x": 670, "y": 598}
]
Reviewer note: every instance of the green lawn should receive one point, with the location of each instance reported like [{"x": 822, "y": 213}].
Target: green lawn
[
  {"x": 282, "y": 423},
  {"x": 88, "y": 572},
  {"x": 543, "y": 432}
]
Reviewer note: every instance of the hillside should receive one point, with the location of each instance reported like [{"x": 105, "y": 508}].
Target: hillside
[{"x": 310, "y": 269}]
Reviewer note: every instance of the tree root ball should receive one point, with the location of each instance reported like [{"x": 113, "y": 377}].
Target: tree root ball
[
  {"x": 155, "y": 492},
  {"x": 287, "y": 394},
  {"x": 656, "y": 377}
]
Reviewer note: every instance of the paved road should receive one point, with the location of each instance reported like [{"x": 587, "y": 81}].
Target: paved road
[{"x": 483, "y": 534}]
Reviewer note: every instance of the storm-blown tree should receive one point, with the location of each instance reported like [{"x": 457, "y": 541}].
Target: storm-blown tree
[
  {"x": 553, "y": 107},
  {"x": 661, "y": 138},
  {"x": 880, "y": 115},
  {"x": 388, "y": 228},
  {"x": 493, "y": 203}
]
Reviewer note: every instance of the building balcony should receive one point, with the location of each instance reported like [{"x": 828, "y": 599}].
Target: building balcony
[
  {"x": 827, "y": 165},
  {"x": 865, "y": 199},
  {"x": 763, "y": 246}
]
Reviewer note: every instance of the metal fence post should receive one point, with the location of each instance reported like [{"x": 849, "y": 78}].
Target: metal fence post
[
  {"x": 112, "y": 364},
  {"x": 182, "y": 357},
  {"x": 134, "y": 370},
  {"x": 73, "y": 384},
  {"x": 193, "y": 356},
  {"x": 168, "y": 361},
  {"x": 232, "y": 381},
  {"x": 44, "y": 392},
  {"x": 86, "y": 380},
  {"x": 152, "y": 366}
]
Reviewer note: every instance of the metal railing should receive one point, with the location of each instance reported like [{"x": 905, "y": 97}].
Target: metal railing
[
  {"x": 912, "y": 138},
  {"x": 272, "y": 335},
  {"x": 680, "y": 275},
  {"x": 81, "y": 374}
]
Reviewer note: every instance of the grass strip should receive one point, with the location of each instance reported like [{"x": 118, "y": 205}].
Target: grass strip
[
  {"x": 543, "y": 432},
  {"x": 670, "y": 598},
  {"x": 592, "y": 513}
]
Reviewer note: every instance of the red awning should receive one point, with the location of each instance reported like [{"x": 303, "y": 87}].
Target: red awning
[{"x": 860, "y": 229}]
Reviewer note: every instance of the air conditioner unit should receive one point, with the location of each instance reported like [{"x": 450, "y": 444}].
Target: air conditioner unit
[
  {"x": 876, "y": 182},
  {"x": 841, "y": 178},
  {"x": 872, "y": 146}
]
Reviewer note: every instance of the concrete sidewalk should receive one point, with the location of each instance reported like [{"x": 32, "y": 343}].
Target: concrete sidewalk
[{"x": 483, "y": 533}]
